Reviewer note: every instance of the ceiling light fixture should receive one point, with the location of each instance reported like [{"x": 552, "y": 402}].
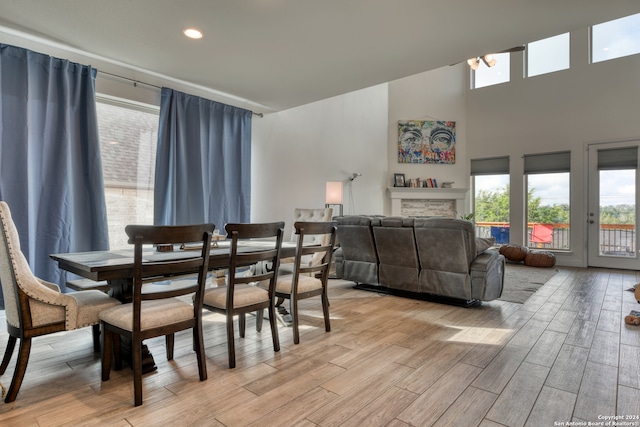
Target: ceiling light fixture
[
  {"x": 193, "y": 33},
  {"x": 474, "y": 63},
  {"x": 488, "y": 59}
]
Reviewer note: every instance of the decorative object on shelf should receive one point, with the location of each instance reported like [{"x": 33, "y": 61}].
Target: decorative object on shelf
[
  {"x": 418, "y": 183},
  {"x": 425, "y": 141},
  {"x": 448, "y": 184},
  {"x": 398, "y": 180},
  {"x": 334, "y": 195}
]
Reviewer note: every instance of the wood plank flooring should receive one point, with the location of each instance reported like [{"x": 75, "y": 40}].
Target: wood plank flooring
[{"x": 565, "y": 355}]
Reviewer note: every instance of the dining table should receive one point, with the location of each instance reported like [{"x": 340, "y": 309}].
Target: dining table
[{"x": 115, "y": 267}]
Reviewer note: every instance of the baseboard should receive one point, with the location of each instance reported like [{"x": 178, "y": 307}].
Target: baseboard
[{"x": 419, "y": 296}]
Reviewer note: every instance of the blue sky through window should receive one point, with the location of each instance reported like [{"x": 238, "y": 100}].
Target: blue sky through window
[{"x": 614, "y": 39}]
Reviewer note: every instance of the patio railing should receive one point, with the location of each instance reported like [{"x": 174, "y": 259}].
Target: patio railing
[{"x": 615, "y": 239}]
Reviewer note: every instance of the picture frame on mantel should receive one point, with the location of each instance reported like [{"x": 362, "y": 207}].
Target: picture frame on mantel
[{"x": 398, "y": 180}]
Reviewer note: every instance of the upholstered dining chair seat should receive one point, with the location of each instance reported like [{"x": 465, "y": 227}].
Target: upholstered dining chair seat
[
  {"x": 305, "y": 284},
  {"x": 245, "y": 295},
  {"x": 155, "y": 314}
]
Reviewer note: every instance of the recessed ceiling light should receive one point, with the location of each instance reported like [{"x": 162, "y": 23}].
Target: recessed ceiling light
[{"x": 193, "y": 33}]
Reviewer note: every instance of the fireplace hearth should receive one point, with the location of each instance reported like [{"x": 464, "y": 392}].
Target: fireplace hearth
[{"x": 444, "y": 202}]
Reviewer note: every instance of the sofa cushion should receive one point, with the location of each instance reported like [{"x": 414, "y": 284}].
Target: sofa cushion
[
  {"x": 484, "y": 243},
  {"x": 398, "y": 258}
]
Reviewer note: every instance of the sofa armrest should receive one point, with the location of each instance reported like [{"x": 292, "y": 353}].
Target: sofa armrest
[
  {"x": 487, "y": 275},
  {"x": 338, "y": 259}
]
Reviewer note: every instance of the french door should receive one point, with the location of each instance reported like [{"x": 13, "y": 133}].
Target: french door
[{"x": 613, "y": 183}]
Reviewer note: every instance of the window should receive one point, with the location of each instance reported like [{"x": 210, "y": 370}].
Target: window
[
  {"x": 128, "y": 140},
  {"x": 614, "y": 39},
  {"x": 490, "y": 182},
  {"x": 547, "y": 178},
  {"x": 548, "y": 55},
  {"x": 499, "y": 73}
]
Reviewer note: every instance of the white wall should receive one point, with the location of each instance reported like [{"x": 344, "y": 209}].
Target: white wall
[
  {"x": 434, "y": 95},
  {"x": 295, "y": 152}
]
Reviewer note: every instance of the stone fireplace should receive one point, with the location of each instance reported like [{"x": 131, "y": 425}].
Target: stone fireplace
[{"x": 444, "y": 202}]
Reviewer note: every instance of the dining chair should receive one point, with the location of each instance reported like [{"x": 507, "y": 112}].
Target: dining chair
[
  {"x": 307, "y": 215},
  {"x": 286, "y": 264},
  {"x": 240, "y": 296},
  {"x": 158, "y": 313},
  {"x": 308, "y": 279},
  {"x": 35, "y": 307}
]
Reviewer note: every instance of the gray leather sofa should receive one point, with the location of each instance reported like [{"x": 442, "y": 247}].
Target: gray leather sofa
[
  {"x": 358, "y": 259},
  {"x": 427, "y": 258}
]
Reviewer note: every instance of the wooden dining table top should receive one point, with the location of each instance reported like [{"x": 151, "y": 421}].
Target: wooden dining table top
[{"x": 118, "y": 264}]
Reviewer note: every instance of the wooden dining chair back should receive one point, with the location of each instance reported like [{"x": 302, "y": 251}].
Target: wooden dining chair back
[
  {"x": 309, "y": 279},
  {"x": 307, "y": 215},
  {"x": 240, "y": 296},
  {"x": 35, "y": 307},
  {"x": 159, "y": 313}
]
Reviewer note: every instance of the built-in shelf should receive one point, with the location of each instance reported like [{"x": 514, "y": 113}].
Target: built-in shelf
[{"x": 398, "y": 194}]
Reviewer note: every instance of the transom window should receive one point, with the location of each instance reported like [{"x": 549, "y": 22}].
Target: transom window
[
  {"x": 548, "y": 55},
  {"x": 499, "y": 73},
  {"x": 615, "y": 39}
]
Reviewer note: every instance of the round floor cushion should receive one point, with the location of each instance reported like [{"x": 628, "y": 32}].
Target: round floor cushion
[
  {"x": 540, "y": 259},
  {"x": 515, "y": 253}
]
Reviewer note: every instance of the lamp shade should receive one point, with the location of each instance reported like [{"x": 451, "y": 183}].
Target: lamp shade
[
  {"x": 489, "y": 59},
  {"x": 334, "y": 193}
]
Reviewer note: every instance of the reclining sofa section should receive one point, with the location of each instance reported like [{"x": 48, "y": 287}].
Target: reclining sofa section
[{"x": 425, "y": 258}]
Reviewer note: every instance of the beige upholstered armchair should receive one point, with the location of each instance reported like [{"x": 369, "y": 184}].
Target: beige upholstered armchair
[
  {"x": 35, "y": 307},
  {"x": 307, "y": 215}
]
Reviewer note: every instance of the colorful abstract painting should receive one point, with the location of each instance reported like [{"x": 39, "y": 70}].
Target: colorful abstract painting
[{"x": 425, "y": 141}]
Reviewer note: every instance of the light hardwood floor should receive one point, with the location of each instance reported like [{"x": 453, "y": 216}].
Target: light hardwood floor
[{"x": 565, "y": 355}]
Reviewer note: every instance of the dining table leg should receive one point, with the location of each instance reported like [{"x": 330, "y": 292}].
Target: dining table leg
[{"x": 121, "y": 289}]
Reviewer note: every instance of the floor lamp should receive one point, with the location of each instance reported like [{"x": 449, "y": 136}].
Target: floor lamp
[{"x": 334, "y": 196}]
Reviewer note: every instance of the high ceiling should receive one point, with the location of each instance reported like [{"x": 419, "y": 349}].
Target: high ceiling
[{"x": 277, "y": 54}]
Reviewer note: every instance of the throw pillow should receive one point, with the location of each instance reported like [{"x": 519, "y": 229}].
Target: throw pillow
[{"x": 484, "y": 243}]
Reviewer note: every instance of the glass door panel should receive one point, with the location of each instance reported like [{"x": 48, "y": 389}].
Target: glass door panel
[
  {"x": 612, "y": 205},
  {"x": 617, "y": 213}
]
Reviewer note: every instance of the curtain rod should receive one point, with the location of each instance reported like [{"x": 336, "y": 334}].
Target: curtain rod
[{"x": 136, "y": 82}]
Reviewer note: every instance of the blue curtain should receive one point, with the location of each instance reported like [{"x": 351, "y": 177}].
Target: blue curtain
[
  {"x": 203, "y": 162},
  {"x": 50, "y": 167}
]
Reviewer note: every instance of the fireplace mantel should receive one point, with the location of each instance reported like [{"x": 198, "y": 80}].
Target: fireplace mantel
[{"x": 398, "y": 194}]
